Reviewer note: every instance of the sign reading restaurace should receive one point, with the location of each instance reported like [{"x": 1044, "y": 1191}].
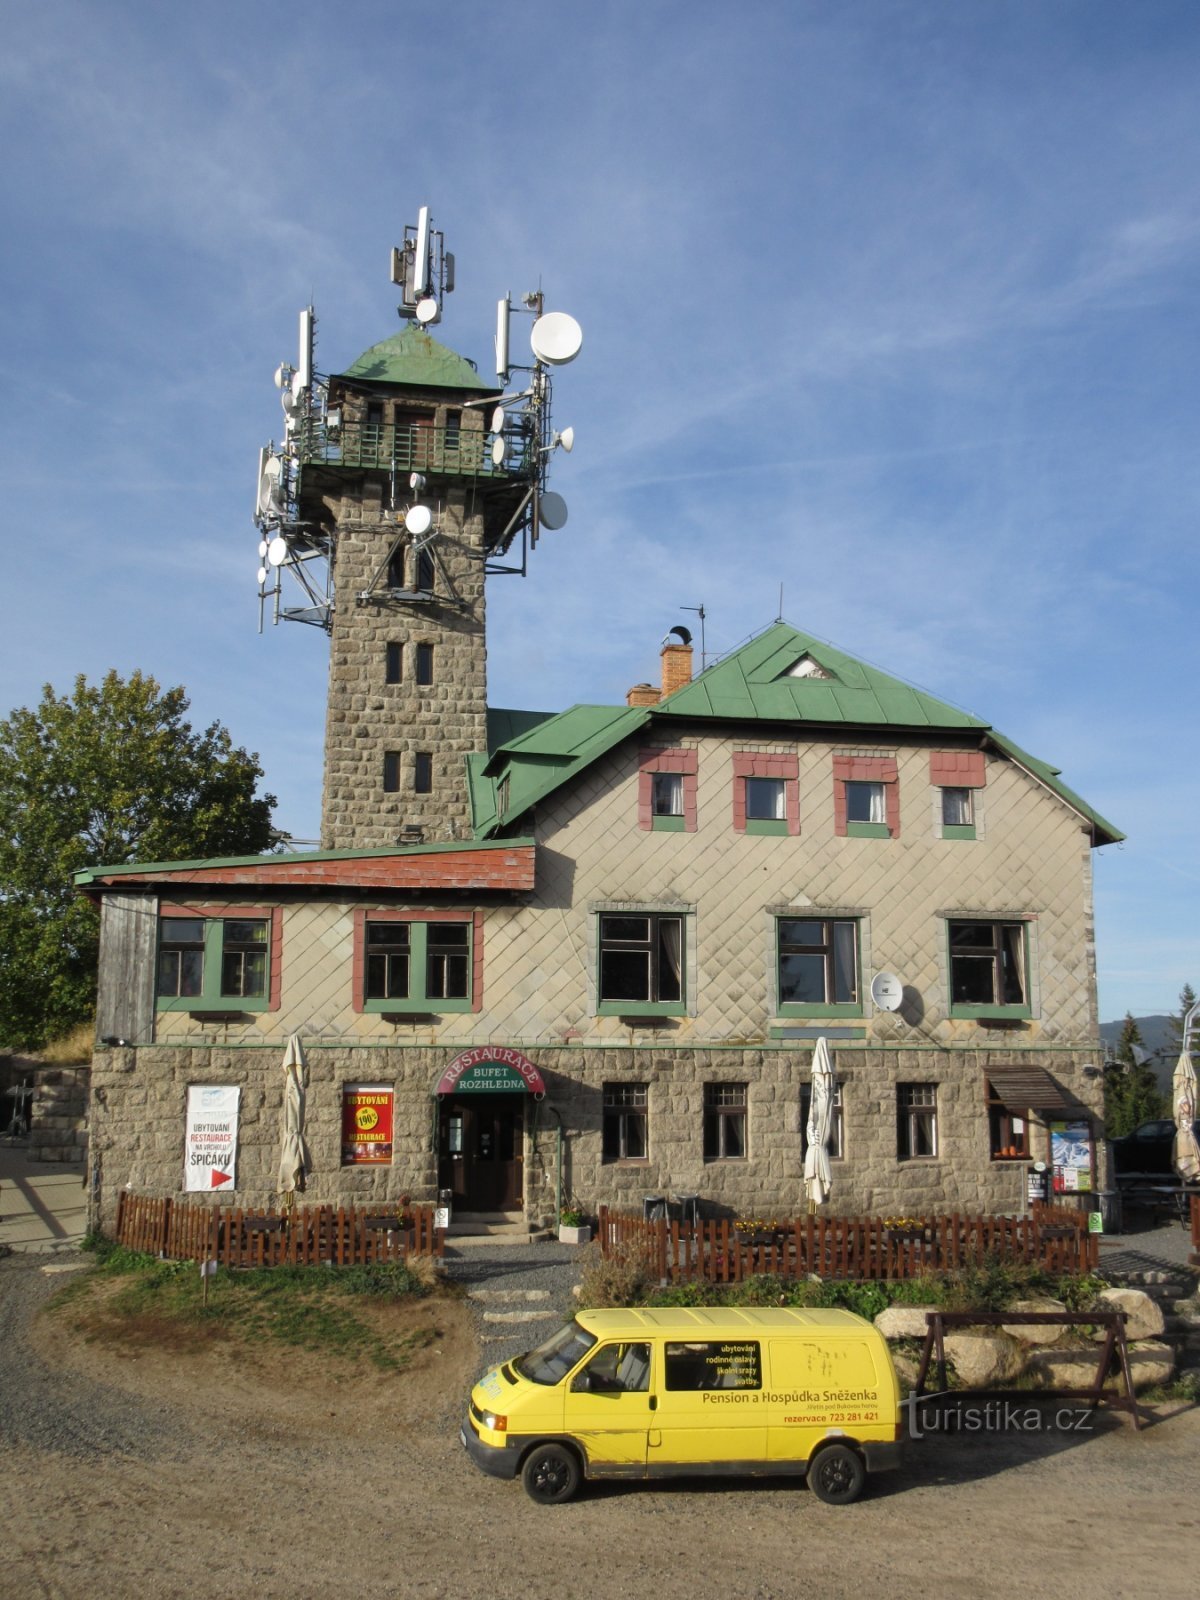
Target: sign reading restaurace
[
  {"x": 210, "y": 1137},
  {"x": 491, "y": 1069}
]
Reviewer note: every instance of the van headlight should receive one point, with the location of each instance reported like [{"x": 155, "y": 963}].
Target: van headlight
[{"x": 497, "y": 1424}]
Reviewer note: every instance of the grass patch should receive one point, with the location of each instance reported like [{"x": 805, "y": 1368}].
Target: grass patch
[{"x": 137, "y": 1301}]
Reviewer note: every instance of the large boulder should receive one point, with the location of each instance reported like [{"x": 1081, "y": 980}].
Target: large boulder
[
  {"x": 1143, "y": 1316},
  {"x": 903, "y": 1322},
  {"x": 1150, "y": 1362},
  {"x": 1032, "y": 1333},
  {"x": 984, "y": 1360},
  {"x": 1074, "y": 1366}
]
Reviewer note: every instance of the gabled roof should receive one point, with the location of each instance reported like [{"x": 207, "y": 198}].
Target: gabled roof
[
  {"x": 413, "y": 358},
  {"x": 782, "y": 677}
]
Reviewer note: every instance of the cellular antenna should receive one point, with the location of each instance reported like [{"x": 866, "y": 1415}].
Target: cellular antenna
[
  {"x": 304, "y": 368},
  {"x": 424, "y": 271}
]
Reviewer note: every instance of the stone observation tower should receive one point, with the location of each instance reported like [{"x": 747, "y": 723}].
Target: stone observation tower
[{"x": 400, "y": 484}]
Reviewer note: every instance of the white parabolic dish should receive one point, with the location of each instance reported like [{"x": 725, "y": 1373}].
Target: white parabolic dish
[
  {"x": 887, "y": 991},
  {"x": 277, "y": 551},
  {"x": 552, "y": 510},
  {"x": 417, "y": 519},
  {"x": 556, "y": 338}
]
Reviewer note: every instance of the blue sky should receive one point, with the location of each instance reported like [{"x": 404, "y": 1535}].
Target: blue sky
[{"x": 893, "y": 305}]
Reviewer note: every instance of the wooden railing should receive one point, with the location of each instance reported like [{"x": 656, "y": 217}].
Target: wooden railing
[
  {"x": 849, "y": 1247},
  {"x": 339, "y": 1236}
]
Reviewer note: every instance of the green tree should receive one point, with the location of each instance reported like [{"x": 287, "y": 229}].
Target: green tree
[
  {"x": 1131, "y": 1092},
  {"x": 1187, "y": 999},
  {"x": 104, "y": 775}
]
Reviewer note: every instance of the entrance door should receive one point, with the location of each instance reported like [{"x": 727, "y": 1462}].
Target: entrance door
[{"x": 480, "y": 1151}]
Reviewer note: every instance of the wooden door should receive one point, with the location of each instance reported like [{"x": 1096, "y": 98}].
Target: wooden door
[{"x": 480, "y": 1150}]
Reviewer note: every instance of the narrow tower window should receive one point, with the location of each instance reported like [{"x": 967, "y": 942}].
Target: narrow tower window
[
  {"x": 394, "y": 668},
  {"x": 425, "y": 664},
  {"x": 422, "y": 773},
  {"x": 391, "y": 772}
]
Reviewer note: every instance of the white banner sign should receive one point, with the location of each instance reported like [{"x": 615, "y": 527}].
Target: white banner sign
[{"x": 210, "y": 1142}]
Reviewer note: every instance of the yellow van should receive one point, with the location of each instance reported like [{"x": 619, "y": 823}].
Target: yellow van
[{"x": 663, "y": 1393}]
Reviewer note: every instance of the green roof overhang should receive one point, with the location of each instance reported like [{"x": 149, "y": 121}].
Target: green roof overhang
[{"x": 415, "y": 360}]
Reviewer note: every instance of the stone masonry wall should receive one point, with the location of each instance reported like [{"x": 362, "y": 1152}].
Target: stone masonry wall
[
  {"x": 367, "y": 717},
  {"x": 139, "y": 1100}
]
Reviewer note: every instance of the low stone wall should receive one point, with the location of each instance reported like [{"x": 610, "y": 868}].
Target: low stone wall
[{"x": 58, "y": 1127}]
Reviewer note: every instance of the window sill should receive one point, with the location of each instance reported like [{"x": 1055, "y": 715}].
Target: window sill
[
  {"x": 798, "y": 1008},
  {"x": 625, "y": 1161},
  {"x": 958, "y": 830},
  {"x": 412, "y": 1018},
  {"x": 992, "y": 1016},
  {"x": 197, "y": 1006},
  {"x": 667, "y": 824},
  {"x": 204, "y": 1015},
  {"x": 868, "y": 830},
  {"x": 1008, "y": 1161},
  {"x": 641, "y": 1010},
  {"x": 767, "y": 825},
  {"x": 420, "y": 1009}
]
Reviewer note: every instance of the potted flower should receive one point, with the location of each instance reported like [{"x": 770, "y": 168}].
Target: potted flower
[{"x": 572, "y": 1229}]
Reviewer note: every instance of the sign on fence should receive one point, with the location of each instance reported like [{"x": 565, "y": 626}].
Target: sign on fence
[{"x": 210, "y": 1137}]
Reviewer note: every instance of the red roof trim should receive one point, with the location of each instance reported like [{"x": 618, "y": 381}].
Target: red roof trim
[{"x": 455, "y": 869}]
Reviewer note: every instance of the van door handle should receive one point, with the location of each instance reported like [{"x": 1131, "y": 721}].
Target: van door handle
[{"x": 654, "y": 1402}]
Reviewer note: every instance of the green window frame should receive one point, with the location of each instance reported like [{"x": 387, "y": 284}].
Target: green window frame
[
  {"x": 957, "y": 804},
  {"x": 213, "y": 963},
  {"x": 818, "y": 953},
  {"x": 988, "y": 957},
  {"x": 417, "y": 965},
  {"x": 642, "y": 964}
]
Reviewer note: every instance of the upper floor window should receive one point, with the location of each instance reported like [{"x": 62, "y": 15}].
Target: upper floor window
[
  {"x": 866, "y": 797},
  {"x": 216, "y": 962},
  {"x": 391, "y": 772},
  {"x": 412, "y": 961},
  {"x": 422, "y": 773},
  {"x": 957, "y": 776},
  {"x": 766, "y": 792},
  {"x": 424, "y": 664},
  {"x": 393, "y": 663},
  {"x": 988, "y": 968},
  {"x": 641, "y": 963},
  {"x": 818, "y": 966},
  {"x": 667, "y": 790}
]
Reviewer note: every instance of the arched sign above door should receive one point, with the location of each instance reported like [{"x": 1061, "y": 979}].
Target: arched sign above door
[{"x": 491, "y": 1069}]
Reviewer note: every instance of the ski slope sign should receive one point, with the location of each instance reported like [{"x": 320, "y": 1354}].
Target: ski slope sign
[{"x": 210, "y": 1140}]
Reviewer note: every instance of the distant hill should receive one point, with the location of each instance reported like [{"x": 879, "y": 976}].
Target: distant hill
[{"x": 1155, "y": 1036}]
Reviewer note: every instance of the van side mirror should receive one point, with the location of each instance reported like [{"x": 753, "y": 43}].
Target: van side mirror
[{"x": 581, "y": 1384}]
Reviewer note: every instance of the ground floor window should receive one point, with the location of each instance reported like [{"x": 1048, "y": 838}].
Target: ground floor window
[
  {"x": 916, "y": 1121},
  {"x": 1008, "y": 1130},
  {"x": 625, "y": 1117},
  {"x": 725, "y": 1118}
]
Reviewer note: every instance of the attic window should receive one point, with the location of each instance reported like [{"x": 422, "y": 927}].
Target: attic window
[{"x": 806, "y": 667}]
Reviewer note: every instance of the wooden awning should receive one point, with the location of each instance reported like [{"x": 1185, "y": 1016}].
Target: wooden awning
[{"x": 1028, "y": 1089}]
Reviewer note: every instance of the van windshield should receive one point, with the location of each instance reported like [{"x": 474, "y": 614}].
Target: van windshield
[{"x": 555, "y": 1356}]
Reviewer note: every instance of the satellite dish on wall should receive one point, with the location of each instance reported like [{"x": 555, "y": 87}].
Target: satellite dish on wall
[
  {"x": 552, "y": 510},
  {"x": 499, "y": 450},
  {"x": 887, "y": 991},
  {"x": 418, "y": 520},
  {"x": 556, "y": 338}
]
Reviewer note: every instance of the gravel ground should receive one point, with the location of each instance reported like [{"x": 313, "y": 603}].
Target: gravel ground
[{"x": 165, "y": 1476}]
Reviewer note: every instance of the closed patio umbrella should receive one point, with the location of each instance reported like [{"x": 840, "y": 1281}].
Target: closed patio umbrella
[
  {"x": 294, "y": 1162},
  {"x": 817, "y": 1175},
  {"x": 1183, "y": 1099}
]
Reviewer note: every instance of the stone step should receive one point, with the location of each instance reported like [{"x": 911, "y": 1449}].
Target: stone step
[
  {"x": 485, "y": 1241},
  {"x": 519, "y": 1316},
  {"x": 508, "y": 1294}
]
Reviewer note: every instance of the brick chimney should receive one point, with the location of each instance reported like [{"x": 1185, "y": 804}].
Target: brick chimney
[
  {"x": 676, "y": 667},
  {"x": 642, "y": 694}
]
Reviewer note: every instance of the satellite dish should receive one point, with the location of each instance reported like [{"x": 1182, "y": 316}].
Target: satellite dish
[
  {"x": 269, "y": 500},
  {"x": 567, "y": 439},
  {"x": 280, "y": 376},
  {"x": 499, "y": 450},
  {"x": 416, "y": 482},
  {"x": 418, "y": 520},
  {"x": 262, "y": 574},
  {"x": 498, "y": 420},
  {"x": 556, "y": 338},
  {"x": 427, "y": 309},
  {"x": 277, "y": 551},
  {"x": 552, "y": 510},
  {"x": 887, "y": 991},
  {"x": 262, "y": 547}
]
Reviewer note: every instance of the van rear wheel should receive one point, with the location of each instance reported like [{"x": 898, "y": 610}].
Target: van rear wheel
[
  {"x": 550, "y": 1474},
  {"x": 836, "y": 1475}
]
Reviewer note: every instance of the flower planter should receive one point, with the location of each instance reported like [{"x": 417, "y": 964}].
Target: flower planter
[{"x": 580, "y": 1235}]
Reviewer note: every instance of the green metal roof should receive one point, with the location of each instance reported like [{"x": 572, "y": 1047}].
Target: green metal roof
[
  {"x": 503, "y": 726},
  {"x": 753, "y": 684},
  {"x": 413, "y": 358}
]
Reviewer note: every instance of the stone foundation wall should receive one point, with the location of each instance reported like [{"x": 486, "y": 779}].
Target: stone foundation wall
[
  {"x": 58, "y": 1128},
  {"x": 139, "y": 1099}
]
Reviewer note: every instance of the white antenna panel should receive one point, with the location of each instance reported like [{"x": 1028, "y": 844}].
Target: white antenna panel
[
  {"x": 421, "y": 264},
  {"x": 556, "y": 338},
  {"x": 503, "y": 308},
  {"x": 304, "y": 369},
  {"x": 264, "y": 455},
  {"x": 552, "y": 510}
]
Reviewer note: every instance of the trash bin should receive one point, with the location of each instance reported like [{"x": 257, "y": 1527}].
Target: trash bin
[
  {"x": 1108, "y": 1204},
  {"x": 689, "y": 1210},
  {"x": 654, "y": 1208}
]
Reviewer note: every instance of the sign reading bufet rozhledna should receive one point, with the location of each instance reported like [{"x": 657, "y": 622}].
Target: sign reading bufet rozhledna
[{"x": 210, "y": 1137}]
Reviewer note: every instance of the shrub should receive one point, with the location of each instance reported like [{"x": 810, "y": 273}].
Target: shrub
[{"x": 619, "y": 1279}]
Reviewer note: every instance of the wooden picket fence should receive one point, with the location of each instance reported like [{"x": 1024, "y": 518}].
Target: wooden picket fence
[
  {"x": 849, "y": 1247},
  {"x": 340, "y": 1236},
  {"x": 1195, "y": 1205}
]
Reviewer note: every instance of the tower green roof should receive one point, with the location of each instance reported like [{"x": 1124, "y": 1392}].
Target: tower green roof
[{"x": 413, "y": 358}]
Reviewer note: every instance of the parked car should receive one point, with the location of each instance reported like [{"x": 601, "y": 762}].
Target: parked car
[{"x": 1148, "y": 1150}]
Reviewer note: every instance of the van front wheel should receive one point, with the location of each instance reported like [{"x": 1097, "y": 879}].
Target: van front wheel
[
  {"x": 836, "y": 1474},
  {"x": 550, "y": 1474}
]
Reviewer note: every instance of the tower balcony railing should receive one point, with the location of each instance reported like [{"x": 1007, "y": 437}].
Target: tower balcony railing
[{"x": 420, "y": 448}]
